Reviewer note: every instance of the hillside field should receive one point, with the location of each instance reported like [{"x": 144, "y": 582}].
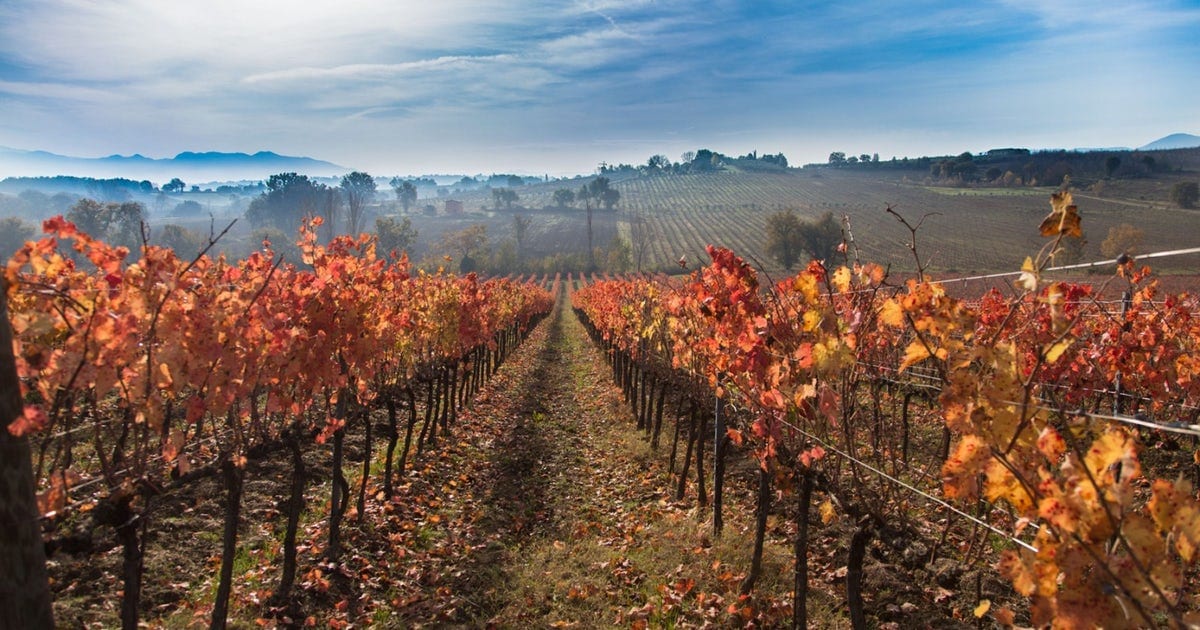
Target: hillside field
[{"x": 966, "y": 230}]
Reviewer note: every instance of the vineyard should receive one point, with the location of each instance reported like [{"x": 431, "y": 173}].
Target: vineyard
[
  {"x": 140, "y": 376},
  {"x": 1044, "y": 403},
  {"x": 349, "y": 442},
  {"x": 968, "y": 230}
]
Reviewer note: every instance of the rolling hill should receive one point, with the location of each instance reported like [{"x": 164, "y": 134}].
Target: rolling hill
[
  {"x": 965, "y": 230},
  {"x": 1173, "y": 141},
  {"x": 190, "y": 166}
]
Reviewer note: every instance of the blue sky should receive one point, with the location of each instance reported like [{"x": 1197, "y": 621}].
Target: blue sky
[{"x": 480, "y": 86}]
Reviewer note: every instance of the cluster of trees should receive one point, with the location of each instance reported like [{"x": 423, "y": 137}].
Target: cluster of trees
[
  {"x": 119, "y": 223},
  {"x": 176, "y": 185},
  {"x": 115, "y": 223},
  {"x": 291, "y": 197},
  {"x": 961, "y": 168},
  {"x": 36, "y": 205},
  {"x": 790, "y": 239},
  {"x": 472, "y": 250},
  {"x": 839, "y": 158},
  {"x": 698, "y": 161},
  {"x": 777, "y": 159},
  {"x": 598, "y": 191},
  {"x": 406, "y": 192},
  {"x": 1185, "y": 194},
  {"x": 1017, "y": 166},
  {"x": 505, "y": 197},
  {"x": 113, "y": 189}
]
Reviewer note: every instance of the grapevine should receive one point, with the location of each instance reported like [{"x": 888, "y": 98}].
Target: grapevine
[
  {"x": 140, "y": 372},
  {"x": 1031, "y": 392}
]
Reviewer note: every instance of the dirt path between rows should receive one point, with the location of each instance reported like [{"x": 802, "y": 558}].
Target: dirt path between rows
[
  {"x": 543, "y": 507},
  {"x": 565, "y": 518}
]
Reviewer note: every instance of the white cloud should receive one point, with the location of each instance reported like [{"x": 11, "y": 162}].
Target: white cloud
[
  {"x": 375, "y": 71},
  {"x": 500, "y": 80},
  {"x": 64, "y": 91}
]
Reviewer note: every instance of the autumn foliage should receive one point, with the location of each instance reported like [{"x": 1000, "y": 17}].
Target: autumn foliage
[
  {"x": 137, "y": 372},
  {"x": 1046, "y": 394}
]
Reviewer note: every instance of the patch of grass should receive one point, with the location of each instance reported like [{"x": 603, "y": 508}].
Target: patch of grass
[{"x": 989, "y": 192}]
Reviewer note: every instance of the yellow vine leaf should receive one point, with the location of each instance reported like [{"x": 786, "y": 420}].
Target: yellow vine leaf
[
  {"x": 1058, "y": 349},
  {"x": 1063, "y": 218},
  {"x": 1028, "y": 279},
  {"x": 914, "y": 353},
  {"x": 828, "y": 514},
  {"x": 1111, "y": 458},
  {"x": 891, "y": 314},
  {"x": 164, "y": 371},
  {"x": 1173, "y": 508},
  {"x": 1051, "y": 444},
  {"x": 1151, "y": 549},
  {"x": 841, "y": 280},
  {"x": 1057, "y": 508},
  {"x": 1017, "y": 567},
  {"x": 984, "y": 606},
  {"x": 1001, "y": 484},
  {"x": 960, "y": 473}
]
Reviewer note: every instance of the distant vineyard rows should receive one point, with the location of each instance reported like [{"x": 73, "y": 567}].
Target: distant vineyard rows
[
  {"x": 1046, "y": 399},
  {"x": 967, "y": 230}
]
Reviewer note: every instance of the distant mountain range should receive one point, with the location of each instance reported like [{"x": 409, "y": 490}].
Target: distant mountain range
[
  {"x": 190, "y": 167},
  {"x": 1173, "y": 141}
]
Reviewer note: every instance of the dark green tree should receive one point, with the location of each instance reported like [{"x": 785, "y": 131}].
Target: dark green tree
[
  {"x": 564, "y": 197},
  {"x": 406, "y": 192},
  {"x": 358, "y": 189},
  {"x": 186, "y": 243},
  {"x": 658, "y": 162},
  {"x": 520, "y": 231},
  {"x": 1185, "y": 194},
  {"x": 394, "y": 236},
  {"x": 288, "y": 200},
  {"x": 116, "y": 223},
  {"x": 189, "y": 208},
  {"x": 505, "y": 197},
  {"x": 822, "y": 237},
  {"x": 602, "y": 193},
  {"x": 14, "y": 232},
  {"x": 785, "y": 240},
  {"x": 1111, "y": 164}
]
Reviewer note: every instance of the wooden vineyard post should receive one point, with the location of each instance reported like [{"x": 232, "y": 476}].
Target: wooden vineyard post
[
  {"x": 718, "y": 466},
  {"x": 24, "y": 584}
]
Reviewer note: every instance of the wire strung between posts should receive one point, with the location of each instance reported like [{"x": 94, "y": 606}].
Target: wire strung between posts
[
  {"x": 1008, "y": 274},
  {"x": 912, "y": 488},
  {"x": 1089, "y": 265},
  {"x": 1181, "y": 428}
]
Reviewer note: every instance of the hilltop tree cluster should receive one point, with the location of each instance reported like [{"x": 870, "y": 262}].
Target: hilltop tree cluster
[
  {"x": 1017, "y": 167},
  {"x": 698, "y": 161},
  {"x": 789, "y": 238}
]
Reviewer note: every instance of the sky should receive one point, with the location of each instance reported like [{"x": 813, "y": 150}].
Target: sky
[{"x": 557, "y": 87}]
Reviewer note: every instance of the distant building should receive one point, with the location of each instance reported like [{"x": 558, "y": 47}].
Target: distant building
[
  {"x": 999, "y": 154},
  {"x": 454, "y": 206},
  {"x": 430, "y": 209}
]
